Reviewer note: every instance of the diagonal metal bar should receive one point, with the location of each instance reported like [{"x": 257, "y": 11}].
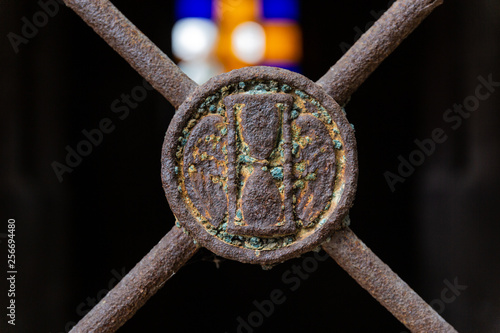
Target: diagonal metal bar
[
  {"x": 345, "y": 77},
  {"x": 384, "y": 285},
  {"x": 140, "y": 52},
  {"x": 142, "y": 282}
]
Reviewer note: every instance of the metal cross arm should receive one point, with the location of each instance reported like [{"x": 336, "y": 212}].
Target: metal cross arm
[
  {"x": 142, "y": 282},
  {"x": 383, "y": 284},
  {"x": 259, "y": 165},
  {"x": 347, "y": 75},
  {"x": 137, "y": 49}
]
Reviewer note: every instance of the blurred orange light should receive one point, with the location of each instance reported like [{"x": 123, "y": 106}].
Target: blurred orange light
[
  {"x": 248, "y": 37},
  {"x": 231, "y": 13},
  {"x": 283, "y": 41}
]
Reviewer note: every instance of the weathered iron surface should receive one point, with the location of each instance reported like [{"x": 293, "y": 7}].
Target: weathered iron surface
[
  {"x": 138, "y": 50},
  {"x": 258, "y": 124},
  {"x": 383, "y": 284},
  {"x": 314, "y": 160},
  {"x": 345, "y": 77},
  {"x": 204, "y": 168},
  {"x": 259, "y": 120},
  {"x": 274, "y": 149},
  {"x": 303, "y": 140},
  {"x": 142, "y": 282}
]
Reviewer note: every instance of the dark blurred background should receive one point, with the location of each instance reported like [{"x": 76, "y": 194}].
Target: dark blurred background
[{"x": 439, "y": 227}]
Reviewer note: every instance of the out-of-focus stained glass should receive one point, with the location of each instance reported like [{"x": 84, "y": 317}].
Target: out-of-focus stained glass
[
  {"x": 194, "y": 8},
  {"x": 283, "y": 41},
  {"x": 240, "y": 33},
  {"x": 281, "y": 9}
]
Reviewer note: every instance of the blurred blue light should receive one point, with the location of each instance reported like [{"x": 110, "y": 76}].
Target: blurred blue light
[
  {"x": 281, "y": 9},
  {"x": 193, "y": 8},
  {"x": 291, "y": 67}
]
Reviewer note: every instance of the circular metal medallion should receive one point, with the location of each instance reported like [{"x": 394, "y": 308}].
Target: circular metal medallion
[{"x": 259, "y": 165}]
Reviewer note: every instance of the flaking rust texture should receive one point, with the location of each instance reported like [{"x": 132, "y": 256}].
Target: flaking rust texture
[
  {"x": 260, "y": 201},
  {"x": 142, "y": 282},
  {"x": 384, "y": 285},
  {"x": 259, "y": 165},
  {"x": 137, "y": 49},
  {"x": 347, "y": 75},
  {"x": 245, "y": 145}
]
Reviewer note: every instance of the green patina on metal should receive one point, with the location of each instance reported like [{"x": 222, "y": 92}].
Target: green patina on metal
[
  {"x": 277, "y": 173},
  {"x": 214, "y": 105},
  {"x": 338, "y": 144}
]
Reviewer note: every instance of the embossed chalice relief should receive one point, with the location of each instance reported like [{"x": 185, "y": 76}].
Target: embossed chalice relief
[{"x": 259, "y": 165}]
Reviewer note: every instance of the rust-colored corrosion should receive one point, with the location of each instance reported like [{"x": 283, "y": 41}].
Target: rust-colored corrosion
[
  {"x": 142, "y": 282},
  {"x": 207, "y": 192},
  {"x": 384, "y": 285},
  {"x": 256, "y": 120},
  {"x": 260, "y": 165},
  {"x": 345, "y": 77},
  {"x": 308, "y": 145},
  {"x": 319, "y": 165},
  {"x": 137, "y": 49}
]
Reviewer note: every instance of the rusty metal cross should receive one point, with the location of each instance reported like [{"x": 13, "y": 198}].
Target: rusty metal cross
[{"x": 259, "y": 165}]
